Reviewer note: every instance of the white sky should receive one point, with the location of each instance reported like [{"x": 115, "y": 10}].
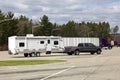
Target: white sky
[{"x": 61, "y": 11}]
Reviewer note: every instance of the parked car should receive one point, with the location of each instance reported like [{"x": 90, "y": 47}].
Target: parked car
[{"x": 83, "y": 47}]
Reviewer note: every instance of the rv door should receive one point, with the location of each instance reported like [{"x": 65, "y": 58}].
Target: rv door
[{"x": 48, "y": 47}]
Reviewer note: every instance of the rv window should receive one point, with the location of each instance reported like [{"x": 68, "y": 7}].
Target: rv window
[
  {"x": 21, "y": 44},
  {"x": 55, "y": 42},
  {"x": 41, "y": 42}
]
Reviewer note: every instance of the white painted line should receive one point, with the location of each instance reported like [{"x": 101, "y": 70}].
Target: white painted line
[
  {"x": 12, "y": 67},
  {"x": 57, "y": 73}
]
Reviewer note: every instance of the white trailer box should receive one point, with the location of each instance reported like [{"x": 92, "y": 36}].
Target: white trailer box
[
  {"x": 74, "y": 41},
  {"x": 35, "y": 44}
]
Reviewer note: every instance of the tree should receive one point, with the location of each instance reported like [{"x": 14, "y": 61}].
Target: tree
[
  {"x": 24, "y": 26},
  {"x": 69, "y": 30},
  {"x": 8, "y": 28},
  {"x": 103, "y": 30},
  {"x": 115, "y": 29},
  {"x": 2, "y": 17},
  {"x": 45, "y": 27}
]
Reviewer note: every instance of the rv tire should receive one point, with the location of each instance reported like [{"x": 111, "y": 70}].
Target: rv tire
[
  {"x": 32, "y": 54},
  {"x": 25, "y": 54},
  {"x": 37, "y": 54}
]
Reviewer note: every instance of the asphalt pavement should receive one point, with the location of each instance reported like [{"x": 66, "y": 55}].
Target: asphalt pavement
[{"x": 80, "y": 67}]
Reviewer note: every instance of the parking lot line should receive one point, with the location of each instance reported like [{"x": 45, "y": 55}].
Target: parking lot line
[{"x": 54, "y": 74}]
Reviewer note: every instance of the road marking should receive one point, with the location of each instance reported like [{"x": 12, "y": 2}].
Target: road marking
[
  {"x": 12, "y": 67},
  {"x": 57, "y": 73}
]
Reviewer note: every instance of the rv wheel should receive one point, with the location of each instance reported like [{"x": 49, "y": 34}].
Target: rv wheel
[
  {"x": 48, "y": 52},
  {"x": 32, "y": 54},
  {"x": 25, "y": 54},
  {"x": 37, "y": 54}
]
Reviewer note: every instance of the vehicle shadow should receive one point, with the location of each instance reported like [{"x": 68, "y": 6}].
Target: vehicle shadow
[{"x": 55, "y": 55}]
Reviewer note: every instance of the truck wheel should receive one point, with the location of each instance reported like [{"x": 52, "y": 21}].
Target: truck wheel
[
  {"x": 98, "y": 52},
  {"x": 25, "y": 54},
  {"x": 69, "y": 53},
  {"x": 92, "y": 53},
  {"x": 76, "y": 52}
]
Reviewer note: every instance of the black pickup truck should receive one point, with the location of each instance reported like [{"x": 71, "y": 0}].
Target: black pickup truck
[{"x": 83, "y": 47}]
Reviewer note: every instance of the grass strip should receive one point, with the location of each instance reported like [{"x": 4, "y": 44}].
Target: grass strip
[{"x": 27, "y": 62}]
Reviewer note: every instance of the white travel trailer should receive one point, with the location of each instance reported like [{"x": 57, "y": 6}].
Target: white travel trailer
[{"x": 31, "y": 45}]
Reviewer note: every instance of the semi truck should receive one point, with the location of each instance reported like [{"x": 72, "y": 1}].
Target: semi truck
[
  {"x": 105, "y": 44},
  {"x": 31, "y": 45}
]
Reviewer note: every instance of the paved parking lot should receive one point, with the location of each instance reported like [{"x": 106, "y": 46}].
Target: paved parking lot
[{"x": 83, "y": 67}]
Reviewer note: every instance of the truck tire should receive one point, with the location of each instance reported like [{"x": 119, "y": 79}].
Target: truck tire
[
  {"x": 25, "y": 54},
  {"x": 92, "y": 53},
  {"x": 98, "y": 52},
  {"x": 48, "y": 52},
  {"x": 69, "y": 53},
  {"x": 76, "y": 52}
]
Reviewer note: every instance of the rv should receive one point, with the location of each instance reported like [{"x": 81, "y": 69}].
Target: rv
[{"x": 31, "y": 45}]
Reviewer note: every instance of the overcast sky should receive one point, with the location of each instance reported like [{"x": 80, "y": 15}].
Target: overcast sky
[{"x": 61, "y": 11}]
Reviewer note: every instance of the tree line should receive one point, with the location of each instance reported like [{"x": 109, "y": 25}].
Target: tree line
[{"x": 11, "y": 26}]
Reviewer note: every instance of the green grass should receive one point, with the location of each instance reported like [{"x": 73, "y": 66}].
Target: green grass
[{"x": 27, "y": 62}]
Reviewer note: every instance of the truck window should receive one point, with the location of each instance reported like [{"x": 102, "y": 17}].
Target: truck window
[
  {"x": 21, "y": 44},
  {"x": 91, "y": 45},
  {"x": 41, "y": 42},
  {"x": 55, "y": 42},
  {"x": 87, "y": 45},
  {"x": 80, "y": 45}
]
